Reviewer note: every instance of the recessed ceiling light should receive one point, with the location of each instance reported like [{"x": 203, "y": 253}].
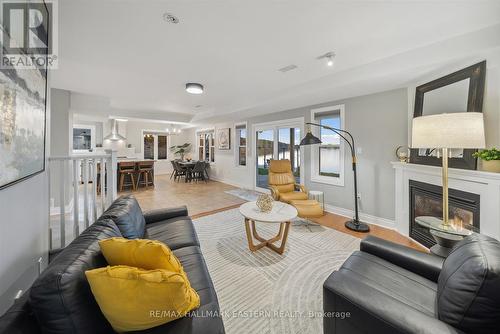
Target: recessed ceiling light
[
  {"x": 330, "y": 58},
  {"x": 194, "y": 88},
  {"x": 330, "y": 61},
  {"x": 170, "y": 18}
]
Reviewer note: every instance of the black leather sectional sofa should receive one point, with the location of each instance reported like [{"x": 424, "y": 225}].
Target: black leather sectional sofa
[
  {"x": 389, "y": 288},
  {"x": 60, "y": 300}
]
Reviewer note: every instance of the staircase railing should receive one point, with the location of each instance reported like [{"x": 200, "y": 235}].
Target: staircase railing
[{"x": 82, "y": 187}]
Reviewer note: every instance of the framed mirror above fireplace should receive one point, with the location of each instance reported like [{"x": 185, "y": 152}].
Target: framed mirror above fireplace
[{"x": 461, "y": 91}]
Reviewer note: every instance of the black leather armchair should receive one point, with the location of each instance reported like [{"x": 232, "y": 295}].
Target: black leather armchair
[{"x": 389, "y": 288}]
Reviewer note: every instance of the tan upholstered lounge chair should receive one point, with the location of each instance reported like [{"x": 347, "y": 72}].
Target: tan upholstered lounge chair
[{"x": 282, "y": 182}]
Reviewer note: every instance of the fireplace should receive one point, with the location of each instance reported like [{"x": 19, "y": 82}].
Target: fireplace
[{"x": 426, "y": 200}]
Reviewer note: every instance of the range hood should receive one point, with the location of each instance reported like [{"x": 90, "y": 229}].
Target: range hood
[{"x": 114, "y": 135}]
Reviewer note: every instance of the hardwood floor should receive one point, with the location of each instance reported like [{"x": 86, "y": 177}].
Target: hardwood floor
[
  {"x": 337, "y": 222},
  {"x": 199, "y": 197},
  {"x": 203, "y": 199}
]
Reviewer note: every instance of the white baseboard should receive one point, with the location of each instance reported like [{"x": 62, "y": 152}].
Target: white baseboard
[{"x": 367, "y": 218}]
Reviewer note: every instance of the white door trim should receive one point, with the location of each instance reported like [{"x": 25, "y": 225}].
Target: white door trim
[{"x": 274, "y": 125}]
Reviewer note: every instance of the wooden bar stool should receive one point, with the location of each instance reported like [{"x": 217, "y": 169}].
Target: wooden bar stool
[
  {"x": 145, "y": 169},
  {"x": 126, "y": 169}
]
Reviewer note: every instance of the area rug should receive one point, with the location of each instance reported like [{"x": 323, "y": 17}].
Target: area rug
[
  {"x": 263, "y": 292},
  {"x": 247, "y": 195}
]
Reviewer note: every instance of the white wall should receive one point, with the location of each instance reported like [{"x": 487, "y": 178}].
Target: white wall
[
  {"x": 134, "y": 133},
  {"x": 24, "y": 212},
  {"x": 379, "y": 124},
  {"x": 61, "y": 139}
]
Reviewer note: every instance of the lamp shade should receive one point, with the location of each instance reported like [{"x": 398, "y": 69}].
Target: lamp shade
[
  {"x": 310, "y": 139},
  {"x": 455, "y": 130}
]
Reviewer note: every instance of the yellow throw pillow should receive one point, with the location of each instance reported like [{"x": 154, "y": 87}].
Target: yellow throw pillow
[
  {"x": 136, "y": 299},
  {"x": 140, "y": 253}
]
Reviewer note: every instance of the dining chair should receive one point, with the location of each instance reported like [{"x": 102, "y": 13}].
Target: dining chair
[
  {"x": 198, "y": 171},
  {"x": 126, "y": 168},
  {"x": 173, "y": 168},
  {"x": 179, "y": 171},
  {"x": 146, "y": 170},
  {"x": 207, "y": 167}
]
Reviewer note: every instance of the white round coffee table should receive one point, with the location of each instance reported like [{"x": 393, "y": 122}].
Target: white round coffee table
[{"x": 281, "y": 213}]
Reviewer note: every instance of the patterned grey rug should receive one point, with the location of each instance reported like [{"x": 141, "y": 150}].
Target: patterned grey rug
[
  {"x": 263, "y": 292},
  {"x": 246, "y": 194}
]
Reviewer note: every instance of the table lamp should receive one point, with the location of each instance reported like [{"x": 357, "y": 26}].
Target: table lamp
[{"x": 463, "y": 130}]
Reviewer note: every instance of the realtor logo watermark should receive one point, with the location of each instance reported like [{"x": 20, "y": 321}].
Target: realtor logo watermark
[{"x": 29, "y": 34}]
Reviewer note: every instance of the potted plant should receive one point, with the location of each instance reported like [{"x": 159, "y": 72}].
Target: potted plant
[
  {"x": 180, "y": 149},
  {"x": 490, "y": 160}
]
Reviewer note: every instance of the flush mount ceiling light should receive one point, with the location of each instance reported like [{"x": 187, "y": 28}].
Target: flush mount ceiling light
[
  {"x": 330, "y": 58},
  {"x": 194, "y": 88}
]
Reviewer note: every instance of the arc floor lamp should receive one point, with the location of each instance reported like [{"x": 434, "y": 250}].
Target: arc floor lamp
[{"x": 355, "y": 224}]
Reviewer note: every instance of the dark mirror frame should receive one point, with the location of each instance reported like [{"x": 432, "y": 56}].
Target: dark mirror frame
[{"x": 476, "y": 73}]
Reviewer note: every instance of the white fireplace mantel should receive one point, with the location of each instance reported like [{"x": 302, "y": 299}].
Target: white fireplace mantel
[{"x": 486, "y": 185}]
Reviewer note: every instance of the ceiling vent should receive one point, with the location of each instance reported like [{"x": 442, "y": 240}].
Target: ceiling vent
[{"x": 287, "y": 68}]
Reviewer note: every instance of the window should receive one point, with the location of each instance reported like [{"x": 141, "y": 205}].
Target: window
[
  {"x": 162, "y": 147},
  {"x": 149, "y": 146},
  {"x": 83, "y": 137},
  {"x": 241, "y": 144},
  {"x": 206, "y": 146},
  {"x": 328, "y": 157},
  {"x": 155, "y": 143}
]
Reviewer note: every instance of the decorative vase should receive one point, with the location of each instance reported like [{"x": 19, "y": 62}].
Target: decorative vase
[
  {"x": 492, "y": 166},
  {"x": 265, "y": 203}
]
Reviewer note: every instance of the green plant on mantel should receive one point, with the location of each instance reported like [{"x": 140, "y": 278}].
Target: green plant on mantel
[
  {"x": 180, "y": 149},
  {"x": 488, "y": 155}
]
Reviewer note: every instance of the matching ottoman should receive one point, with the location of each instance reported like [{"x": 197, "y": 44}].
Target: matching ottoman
[{"x": 308, "y": 208}]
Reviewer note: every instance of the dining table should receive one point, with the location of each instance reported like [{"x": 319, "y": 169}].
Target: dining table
[{"x": 188, "y": 165}]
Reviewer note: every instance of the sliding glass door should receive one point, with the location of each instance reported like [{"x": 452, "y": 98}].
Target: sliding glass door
[
  {"x": 289, "y": 148},
  {"x": 265, "y": 152},
  {"x": 277, "y": 140}
]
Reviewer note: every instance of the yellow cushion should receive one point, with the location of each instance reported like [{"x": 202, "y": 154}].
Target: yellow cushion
[
  {"x": 141, "y": 253},
  {"x": 308, "y": 208},
  {"x": 295, "y": 195},
  {"x": 286, "y": 188},
  {"x": 280, "y": 166},
  {"x": 136, "y": 299}
]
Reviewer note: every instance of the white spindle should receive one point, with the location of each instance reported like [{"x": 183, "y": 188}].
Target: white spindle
[
  {"x": 76, "y": 184},
  {"x": 111, "y": 178},
  {"x": 62, "y": 202},
  {"x": 102, "y": 178},
  {"x": 94, "y": 190},
  {"x": 81, "y": 166},
  {"x": 85, "y": 169}
]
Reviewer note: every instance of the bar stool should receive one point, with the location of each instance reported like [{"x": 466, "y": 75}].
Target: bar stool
[
  {"x": 145, "y": 169},
  {"x": 126, "y": 169}
]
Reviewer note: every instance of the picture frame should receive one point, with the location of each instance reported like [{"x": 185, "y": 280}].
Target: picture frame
[
  {"x": 224, "y": 139},
  {"x": 23, "y": 118},
  {"x": 473, "y": 78}
]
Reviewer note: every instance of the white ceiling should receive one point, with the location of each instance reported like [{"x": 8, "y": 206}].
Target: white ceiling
[{"x": 125, "y": 51}]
